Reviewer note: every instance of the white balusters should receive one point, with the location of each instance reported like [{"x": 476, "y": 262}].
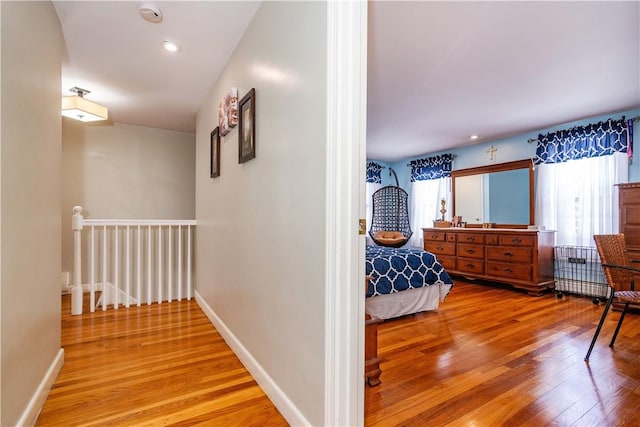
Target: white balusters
[
  {"x": 149, "y": 271},
  {"x": 92, "y": 269},
  {"x": 127, "y": 274},
  {"x": 170, "y": 264},
  {"x": 76, "y": 290}
]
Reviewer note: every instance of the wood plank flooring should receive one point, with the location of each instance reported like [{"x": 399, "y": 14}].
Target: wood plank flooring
[
  {"x": 162, "y": 364},
  {"x": 488, "y": 357},
  {"x": 495, "y": 357}
]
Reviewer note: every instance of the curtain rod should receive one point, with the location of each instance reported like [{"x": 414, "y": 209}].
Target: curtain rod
[{"x": 532, "y": 140}]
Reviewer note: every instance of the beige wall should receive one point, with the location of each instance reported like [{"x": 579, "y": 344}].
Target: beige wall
[
  {"x": 32, "y": 46},
  {"x": 115, "y": 170},
  {"x": 261, "y": 224}
]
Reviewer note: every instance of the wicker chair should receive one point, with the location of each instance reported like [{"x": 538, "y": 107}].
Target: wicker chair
[{"x": 620, "y": 277}]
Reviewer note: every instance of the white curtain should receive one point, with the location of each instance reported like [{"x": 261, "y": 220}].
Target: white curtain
[
  {"x": 370, "y": 188},
  {"x": 578, "y": 198},
  {"x": 425, "y": 205}
]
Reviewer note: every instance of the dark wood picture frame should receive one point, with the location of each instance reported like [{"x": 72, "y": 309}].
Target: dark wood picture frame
[
  {"x": 214, "y": 164},
  {"x": 247, "y": 127}
]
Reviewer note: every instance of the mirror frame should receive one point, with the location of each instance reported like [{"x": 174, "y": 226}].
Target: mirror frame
[{"x": 500, "y": 167}]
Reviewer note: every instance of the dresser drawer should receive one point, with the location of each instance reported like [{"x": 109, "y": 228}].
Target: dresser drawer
[
  {"x": 491, "y": 239},
  {"x": 509, "y": 270},
  {"x": 510, "y": 254},
  {"x": 468, "y": 265},
  {"x": 470, "y": 238},
  {"x": 629, "y": 196},
  {"x": 440, "y": 248},
  {"x": 470, "y": 251},
  {"x": 516, "y": 240},
  {"x": 448, "y": 262},
  {"x": 439, "y": 236}
]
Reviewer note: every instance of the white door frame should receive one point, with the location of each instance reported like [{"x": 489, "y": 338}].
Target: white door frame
[{"x": 346, "y": 158}]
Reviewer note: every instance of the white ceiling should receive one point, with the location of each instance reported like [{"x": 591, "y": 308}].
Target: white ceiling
[
  {"x": 117, "y": 55},
  {"x": 438, "y": 71}
]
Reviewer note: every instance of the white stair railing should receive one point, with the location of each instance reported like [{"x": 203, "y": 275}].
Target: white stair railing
[{"x": 131, "y": 262}]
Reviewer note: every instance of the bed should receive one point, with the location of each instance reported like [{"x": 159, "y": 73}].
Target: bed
[{"x": 403, "y": 281}]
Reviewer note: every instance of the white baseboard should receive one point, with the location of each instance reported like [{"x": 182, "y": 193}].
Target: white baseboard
[
  {"x": 281, "y": 401},
  {"x": 99, "y": 287},
  {"x": 31, "y": 412}
]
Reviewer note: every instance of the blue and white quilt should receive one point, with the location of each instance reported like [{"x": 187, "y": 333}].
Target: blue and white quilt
[{"x": 394, "y": 270}]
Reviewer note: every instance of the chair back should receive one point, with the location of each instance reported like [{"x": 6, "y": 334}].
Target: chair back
[{"x": 613, "y": 250}]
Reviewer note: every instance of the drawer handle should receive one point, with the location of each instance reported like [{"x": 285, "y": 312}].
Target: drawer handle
[
  {"x": 471, "y": 251},
  {"x": 471, "y": 238},
  {"x": 507, "y": 270},
  {"x": 508, "y": 254},
  {"x": 471, "y": 265},
  {"x": 516, "y": 240},
  {"x": 440, "y": 248},
  {"x": 434, "y": 236}
]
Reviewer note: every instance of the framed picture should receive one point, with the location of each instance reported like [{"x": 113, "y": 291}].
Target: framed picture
[
  {"x": 215, "y": 153},
  {"x": 247, "y": 132},
  {"x": 228, "y": 112}
]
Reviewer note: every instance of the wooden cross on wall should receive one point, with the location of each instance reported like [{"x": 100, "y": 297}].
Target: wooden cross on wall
[{"x": 491, "y": 150}]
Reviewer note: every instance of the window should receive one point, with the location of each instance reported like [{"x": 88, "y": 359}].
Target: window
[
  {"x": 425, "y": 205},
  {"x": 577, "y": 170},
  {"x": 430, "y": 183}
]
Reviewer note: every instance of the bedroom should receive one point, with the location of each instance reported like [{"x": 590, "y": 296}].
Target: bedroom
[
  {"x": 282, "y": 341},
  {"x": 539, "y": 81},
  {"x": 492, "y": 93}
]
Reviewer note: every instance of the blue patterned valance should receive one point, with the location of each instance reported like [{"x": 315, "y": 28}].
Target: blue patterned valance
[
  {"x": 593, "y": 140},
  {"x": 431, "y": 167},
  {"x": 373, "y": 173}
]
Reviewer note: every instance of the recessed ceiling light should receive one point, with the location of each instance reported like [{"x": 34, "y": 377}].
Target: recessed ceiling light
[
  {"x": 473, "y": 137},
  {"x": 170, "y": 46}
]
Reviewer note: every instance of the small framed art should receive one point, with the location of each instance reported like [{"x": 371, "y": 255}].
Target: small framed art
[
  {"x": 215, "y": 153},
  {"x": 228, "y": 112},
  {"x": 247, "y": 131}
]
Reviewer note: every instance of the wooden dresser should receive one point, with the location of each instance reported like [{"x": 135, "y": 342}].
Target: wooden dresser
[
  {"x": 519, "y": 257},
  {"x": 629, "y": 201}
]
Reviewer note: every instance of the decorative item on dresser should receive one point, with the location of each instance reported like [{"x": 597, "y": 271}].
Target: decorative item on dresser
[{"x": 521, "y": 258}]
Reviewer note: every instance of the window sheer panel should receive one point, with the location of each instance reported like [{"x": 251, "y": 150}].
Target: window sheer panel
[
  {"x": 370, "y": 188},
  {"x": 578, "y": 198},
  {"x": 425, "y": 205}
]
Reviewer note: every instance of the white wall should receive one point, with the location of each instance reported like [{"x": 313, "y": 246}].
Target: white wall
[
  {"x": 116, "y": 170},
  {"x": 261, "y": 224},
  {"x": 32, "y": 46}
]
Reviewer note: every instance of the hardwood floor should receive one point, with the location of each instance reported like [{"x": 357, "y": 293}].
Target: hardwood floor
[
  {"x": 489, "y": 356},
  {"x": 492, "y": 356},
  {"x": 162, "y": 364}
]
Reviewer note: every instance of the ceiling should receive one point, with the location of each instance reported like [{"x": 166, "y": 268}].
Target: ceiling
[
  {"x": 438, "y": 72},
  {"x": 117, "y": 55}
]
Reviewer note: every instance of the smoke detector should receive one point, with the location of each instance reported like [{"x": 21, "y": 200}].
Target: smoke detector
[{"x": 150, "y": 13}]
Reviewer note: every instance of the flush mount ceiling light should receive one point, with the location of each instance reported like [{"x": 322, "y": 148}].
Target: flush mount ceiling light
[
  {"x": 150, "y": 13},
  {"x": 473, "y": 137},
  {"x": 78, "y": 108}
]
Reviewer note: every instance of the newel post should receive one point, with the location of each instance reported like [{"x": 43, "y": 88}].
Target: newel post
[{"x": 76, "y": 284}]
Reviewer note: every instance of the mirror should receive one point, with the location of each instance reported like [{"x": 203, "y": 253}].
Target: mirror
[{"x": 500, "y": 194}]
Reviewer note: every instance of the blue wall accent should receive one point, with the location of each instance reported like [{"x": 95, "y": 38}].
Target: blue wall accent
[{"x": 510, "y": 149}]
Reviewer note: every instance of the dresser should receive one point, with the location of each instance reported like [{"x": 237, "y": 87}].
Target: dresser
[
  {"x": 629, "y": 202},
  {"x": 521, "y": 258}
]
